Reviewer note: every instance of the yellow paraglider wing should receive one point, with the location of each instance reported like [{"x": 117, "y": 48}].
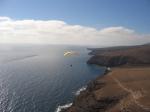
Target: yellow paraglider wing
[{"x": 69, "y": 53}]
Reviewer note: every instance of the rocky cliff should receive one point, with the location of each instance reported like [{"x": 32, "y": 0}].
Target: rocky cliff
[
  {"x": 122, "y": 89},
  {"x": 117, "y": 56}
]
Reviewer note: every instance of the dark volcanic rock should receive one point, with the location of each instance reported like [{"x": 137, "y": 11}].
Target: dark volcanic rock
[
  {"x": 136, "y": 55},
  {"x": 111, "y": 61}
]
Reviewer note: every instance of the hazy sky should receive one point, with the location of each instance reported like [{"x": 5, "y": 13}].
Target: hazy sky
[{"x": 94, "y": 22}]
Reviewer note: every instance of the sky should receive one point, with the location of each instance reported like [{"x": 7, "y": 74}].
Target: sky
[{"x": 75, "y": 22}]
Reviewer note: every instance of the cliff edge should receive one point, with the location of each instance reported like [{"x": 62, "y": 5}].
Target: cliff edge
[
  {"x": 118, "y": 56},
  {"x": 121, "y": 90},
  {"x": 124, "y": 88}
]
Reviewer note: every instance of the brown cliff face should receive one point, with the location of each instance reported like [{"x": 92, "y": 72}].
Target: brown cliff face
[
  {"x": 116, "y": 56},
  {"x": 123, "y": 89}
]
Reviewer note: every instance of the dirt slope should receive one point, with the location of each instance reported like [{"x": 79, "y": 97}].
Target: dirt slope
[{"x": 122, "y": 90}]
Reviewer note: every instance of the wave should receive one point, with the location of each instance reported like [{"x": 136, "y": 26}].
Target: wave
[
  {"x": 80, "y": 90},
  {"x": 63, "y": 107},
  {"x": 59, "y": 108}
]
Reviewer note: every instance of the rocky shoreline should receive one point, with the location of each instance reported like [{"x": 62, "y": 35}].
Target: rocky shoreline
[
  {"x": 80, "y": 104},
  {"x": 124, "y": 88},
  {"x": 114, "y": 93}
]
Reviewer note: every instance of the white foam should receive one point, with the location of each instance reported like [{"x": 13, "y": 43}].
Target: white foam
[
  {"x": 59, "y": 108},
  {"x": 80, "y": 90},
  {"x": 63, "y": 107}
]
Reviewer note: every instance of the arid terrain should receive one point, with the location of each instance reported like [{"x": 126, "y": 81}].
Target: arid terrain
[
  {"x": 125, "y": 88},
  {"x": 117, "y": 56},
  {"x": 121, "y": 90}
]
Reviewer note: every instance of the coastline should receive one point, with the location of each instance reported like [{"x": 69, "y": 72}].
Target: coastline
[
  {"x": 123, "y": 88},
  {"x": 113, "y": 92}
]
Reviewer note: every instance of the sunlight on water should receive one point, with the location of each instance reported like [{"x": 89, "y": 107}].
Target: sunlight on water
[{"x": 40, "y": 78}]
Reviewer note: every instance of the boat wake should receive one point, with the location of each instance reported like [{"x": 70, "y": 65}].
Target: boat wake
[{"x": 20, "y": 58}]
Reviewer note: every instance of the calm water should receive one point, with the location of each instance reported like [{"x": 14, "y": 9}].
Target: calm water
[{"x": 39, "y": 78}]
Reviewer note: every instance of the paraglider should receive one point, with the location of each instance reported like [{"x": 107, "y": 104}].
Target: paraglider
[{"x": 69, "y": 53}]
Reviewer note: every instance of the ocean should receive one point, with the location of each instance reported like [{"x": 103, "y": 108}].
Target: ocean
[{"x": 39, "y": 78}]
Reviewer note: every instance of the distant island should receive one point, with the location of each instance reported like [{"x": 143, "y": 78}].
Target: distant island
[{"x": 124, "y": 87}]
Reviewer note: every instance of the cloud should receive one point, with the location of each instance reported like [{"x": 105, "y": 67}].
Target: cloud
[
  {"x": 4, "y": 19},
  {"x": 59, "y": 32}
]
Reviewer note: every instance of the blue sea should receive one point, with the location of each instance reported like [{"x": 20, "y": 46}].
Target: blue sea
[{"x": 39, "y": 78}]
